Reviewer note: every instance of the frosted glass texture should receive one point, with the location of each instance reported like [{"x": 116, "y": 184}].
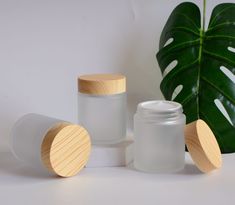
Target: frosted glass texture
[
  {"x": 27, "y": 136},
  {"x": 104, "y": 116},
  {"x": 159, "y": 137}
]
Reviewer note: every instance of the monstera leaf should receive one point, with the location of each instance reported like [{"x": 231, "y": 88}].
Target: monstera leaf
[{"x": 198, "y": 67}]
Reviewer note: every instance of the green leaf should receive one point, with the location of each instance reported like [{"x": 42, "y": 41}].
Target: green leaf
[{"x": 205, "y": 67}]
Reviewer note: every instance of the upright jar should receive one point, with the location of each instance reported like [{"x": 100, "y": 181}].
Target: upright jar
[
  {"x": 102, "y": 107},
  {"x": 50, "y": 145},
  {"x": 159, "y": 136}
]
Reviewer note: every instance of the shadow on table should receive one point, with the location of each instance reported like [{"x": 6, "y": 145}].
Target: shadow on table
[
  {"x": 9, "y": 166},
  {"x": 189, "y": 169}
]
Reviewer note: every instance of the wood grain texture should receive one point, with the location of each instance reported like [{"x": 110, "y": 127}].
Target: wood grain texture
[
  {"x": 102, "y": 84},
  {"x": 65, "y": 149},
  {"x": 203, "y": 146}
]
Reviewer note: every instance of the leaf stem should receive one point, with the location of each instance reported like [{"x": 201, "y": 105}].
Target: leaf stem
[
  {"x": 204, "y": 15},
  {"x": 202, "y": 32}
]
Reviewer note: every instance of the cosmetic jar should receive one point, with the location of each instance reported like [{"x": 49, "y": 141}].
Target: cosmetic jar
[
  {"x": 159, "y": 137},
  {"x": 50, "y": 145},
  {"x": 102, "y": 107}
]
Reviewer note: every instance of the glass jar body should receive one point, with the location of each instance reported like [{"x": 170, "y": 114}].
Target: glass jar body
[
  {"x": 26, "y": 138},
  {"x": 159, "y": 143},
  {"x": 104, "y": 116}
]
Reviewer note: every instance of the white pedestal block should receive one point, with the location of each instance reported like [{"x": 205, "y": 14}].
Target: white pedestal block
[{"x": 114, "y": 155}]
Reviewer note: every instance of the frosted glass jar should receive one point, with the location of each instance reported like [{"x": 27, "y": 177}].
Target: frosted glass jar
[
  {"x": 50, "y": 145},
  {"x": 102, "y": 107},
  {"x": 159, "y": 137}
]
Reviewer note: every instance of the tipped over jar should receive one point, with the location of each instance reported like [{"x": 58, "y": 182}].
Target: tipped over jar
[{"x": 50, "y": 145}]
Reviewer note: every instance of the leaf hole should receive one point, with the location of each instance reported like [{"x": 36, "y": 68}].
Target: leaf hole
[
  {"x": 169, "y": 41},
  {"x": 231, "y": 49},
  {"x": 170, "y": 67},
  {"x": 221, "y": 108},
  {"x": 176, "y": 92},
  {"x": 228, "y": 73}
]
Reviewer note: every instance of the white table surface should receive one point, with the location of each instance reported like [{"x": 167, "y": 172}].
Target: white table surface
[{"x": 118, "y": 185}]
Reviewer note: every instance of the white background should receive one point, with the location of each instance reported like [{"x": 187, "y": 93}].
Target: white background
[{"x": 46, "y": 44}]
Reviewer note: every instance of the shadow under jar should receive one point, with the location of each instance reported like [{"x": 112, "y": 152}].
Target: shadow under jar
[
  {"x": 102, "y": 107},
  {"x": 159, "y": 137}
]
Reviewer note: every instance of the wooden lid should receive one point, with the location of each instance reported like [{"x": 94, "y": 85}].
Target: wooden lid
[
  {"x": 65, "y": 149},
  {"x": 202, "y": 146},
  {"x": 102, "y": 84}
]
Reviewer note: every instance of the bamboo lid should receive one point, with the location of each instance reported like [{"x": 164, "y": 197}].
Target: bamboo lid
[
  {"x": 202, "y": 146},
  {"x": 65, "y": 149},
  {"x": 102, "y": 84}
]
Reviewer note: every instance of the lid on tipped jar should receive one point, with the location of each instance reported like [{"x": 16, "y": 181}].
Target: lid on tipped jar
[
  {"x": 65, "y": 149},
  {"x": 102, "y": 84},
  {"x": 202, "y": 146}
]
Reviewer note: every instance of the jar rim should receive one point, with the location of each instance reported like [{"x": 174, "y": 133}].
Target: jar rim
[{"x": 159, "y": 107}]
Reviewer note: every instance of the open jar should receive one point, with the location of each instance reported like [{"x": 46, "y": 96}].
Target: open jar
[
  {"x": 159, "y": 137},
  {"x": 102, "y": 107}
]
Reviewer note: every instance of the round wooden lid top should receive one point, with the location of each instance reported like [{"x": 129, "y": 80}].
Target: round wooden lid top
[
  {"x": 202, "y": 146},
  {"x": 102, "y": 84},
  {"x": 65, "y": 149}
]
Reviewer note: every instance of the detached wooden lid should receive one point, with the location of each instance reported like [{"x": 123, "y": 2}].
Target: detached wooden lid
[
  {"x": 102, "y": 84},
  {"x": 65, "y": 149},
  {"x": 202, "y": 146}
]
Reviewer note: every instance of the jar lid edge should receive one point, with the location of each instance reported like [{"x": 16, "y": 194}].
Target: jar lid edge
[{"x": 102, "y": 84}]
